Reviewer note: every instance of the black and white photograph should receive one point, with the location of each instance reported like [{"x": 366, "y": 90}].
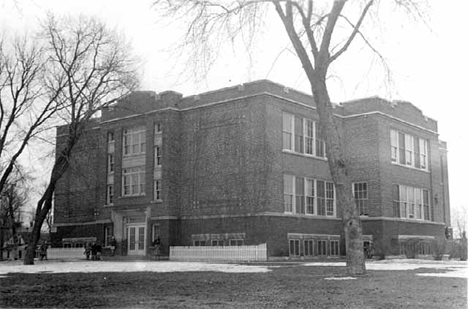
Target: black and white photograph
[{"x": 233, "y": 154}]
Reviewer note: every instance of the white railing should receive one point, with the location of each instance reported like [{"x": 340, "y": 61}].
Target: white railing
[
  {"x": 65, "y": 253},
  {"x": 230, "y": 253}
]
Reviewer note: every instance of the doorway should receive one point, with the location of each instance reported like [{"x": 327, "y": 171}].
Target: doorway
[{"x": 136, "y": 239}]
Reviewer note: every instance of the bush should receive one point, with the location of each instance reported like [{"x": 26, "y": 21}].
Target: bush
[{"x": 438, "y": 248}]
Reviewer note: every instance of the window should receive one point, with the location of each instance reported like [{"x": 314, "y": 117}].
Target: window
[
  {"x": 110, "y": 163},
  {"x": 157, "y": 128},
  {"x": 427, "y": 214},
  {"x": 287, "y": 131},
  {"x": 408, "y": 150},
  {"x": 157, "y": 190},
  {"x": 320, "y": 198},
  {"x": 134, "y": 141},
  {"x": 199, "y": 243},
  {"x": 298, "y": 134},
  {"x": 300, "y": 207},
  {"x": 107, "y": 236},
  {"x": 219, "y": 243},
  {"x": 396, "y": 201},
  {"x": 288, "y": 184},
  {"x": 334, "y": 248},
  {"x": 294, "y": 247},
  {"x": 309, "y": 137},
  {"x": 308, "y": 196},
  {"x": 157, "y": 156},
  {"x": 411, "y": 202},
  {"x": 133, "y": 181},
  {"x": 302, "y": 135},
  {"x": 330, "y": 198},
  {"x": 321, "y": 247},
  {"x": 361, "y": 198},
  {"x": 308, "y": 247},
  {"x": 236, "y": 242},
  {"x": 110, "y": 142},
  {"x": 110, "y": 194}
]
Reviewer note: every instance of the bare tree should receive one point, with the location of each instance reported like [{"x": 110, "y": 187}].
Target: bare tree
[
  {"x": 97, "y": 67},
  {"x": 25, "y": 104},
  {"x": 320, "y": 33},
  {"x": 12, "y": 200}
]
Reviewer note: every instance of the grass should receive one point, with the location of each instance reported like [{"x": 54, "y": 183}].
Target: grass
[{"x": 288, "y": 286}]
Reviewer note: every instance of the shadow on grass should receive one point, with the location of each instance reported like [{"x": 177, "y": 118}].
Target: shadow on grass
[{"x": 282, "y": 287}]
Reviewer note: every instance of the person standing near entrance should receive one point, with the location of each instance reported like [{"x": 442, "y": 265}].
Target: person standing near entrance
[
  {"x": 113, "y": 244},
  {"x": 157, "y": 247}
]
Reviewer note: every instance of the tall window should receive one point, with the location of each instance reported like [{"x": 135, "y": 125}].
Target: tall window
[
  {"x": 300, "y": 205},
  {"x": 110, "y": 194},
  {"x": 133, "y": 181},
  {"x": 110, "y": 142},
  {"x": 134, "y": 141},
  {"x": 157, "y": 156},
  {"x": 308, "y": 196},
  {"x": 287, "y": 131},
  {"x": 302, "y": 135},
  {"x": 288, "y": 185},
  {"x": 110, "y": 163},
  {"x": 298, "y": 134},
  {"x": 320, "y": 198},
  {"x": 408, "y": 150},
  {"x": 412, "y": 203},
  {"x": 361, "y": 197},
  {"x": 157, "y": 190}
]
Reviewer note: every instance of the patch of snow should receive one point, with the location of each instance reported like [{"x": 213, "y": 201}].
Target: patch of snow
[
  {"x": 112, "y": 266},
  {"x": 340, "y": 278}
]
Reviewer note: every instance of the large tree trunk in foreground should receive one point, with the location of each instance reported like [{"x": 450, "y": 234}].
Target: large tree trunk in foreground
[
  {"x": 45, "y": 203},
  {"x": 336, "y": 161}
]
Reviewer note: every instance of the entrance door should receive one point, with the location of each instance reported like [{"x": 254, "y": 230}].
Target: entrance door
[{"x": 136, "y": 239}]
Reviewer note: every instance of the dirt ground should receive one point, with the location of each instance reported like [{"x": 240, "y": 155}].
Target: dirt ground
[{"x": 284, "y": 285}]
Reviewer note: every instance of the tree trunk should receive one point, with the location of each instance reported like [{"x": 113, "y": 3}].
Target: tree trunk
[
  {"x": 45, "y": 203},
  {"x": 355, "y": 261}
]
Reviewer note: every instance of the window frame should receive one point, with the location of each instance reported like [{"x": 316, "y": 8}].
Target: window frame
[
  {"x": 303, "y": 136},
  {"x": 411, "y": 206},
  {"x": 409, "y": 150},
  {"x": 361, "y": 197},
  {"x": 128, "y": 174},
  {"x": 134, "y": 141},
  {"x": 328, "y": 199}
]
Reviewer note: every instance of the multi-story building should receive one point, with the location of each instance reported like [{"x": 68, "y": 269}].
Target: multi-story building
[{"x": 247, "y": 165}]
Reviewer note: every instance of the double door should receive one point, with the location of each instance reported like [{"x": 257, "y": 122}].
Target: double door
[{"x": 136, "y": 239}]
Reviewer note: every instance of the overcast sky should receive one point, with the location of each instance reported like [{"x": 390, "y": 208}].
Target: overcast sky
[{"x": 429, "y": 62}]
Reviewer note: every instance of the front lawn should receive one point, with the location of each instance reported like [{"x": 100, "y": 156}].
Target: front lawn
[{"x": 283, "y": 286}]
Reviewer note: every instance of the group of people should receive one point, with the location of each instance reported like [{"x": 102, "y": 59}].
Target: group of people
[{"x": 93, "y": 250}]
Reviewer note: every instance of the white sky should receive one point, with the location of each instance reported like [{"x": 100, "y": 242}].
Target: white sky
[{"x": 428, "y": 64}]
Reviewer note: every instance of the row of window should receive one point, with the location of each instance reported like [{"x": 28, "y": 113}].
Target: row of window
[
  {"x": 314, "y": 247},
  {"x": 411, "y": 203},
  {"x": 308, "y": 196},
  {"x": 408, "y": 150},
  {"x": 316, "y": 197},
  {"x": 303, "y": 135}
]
